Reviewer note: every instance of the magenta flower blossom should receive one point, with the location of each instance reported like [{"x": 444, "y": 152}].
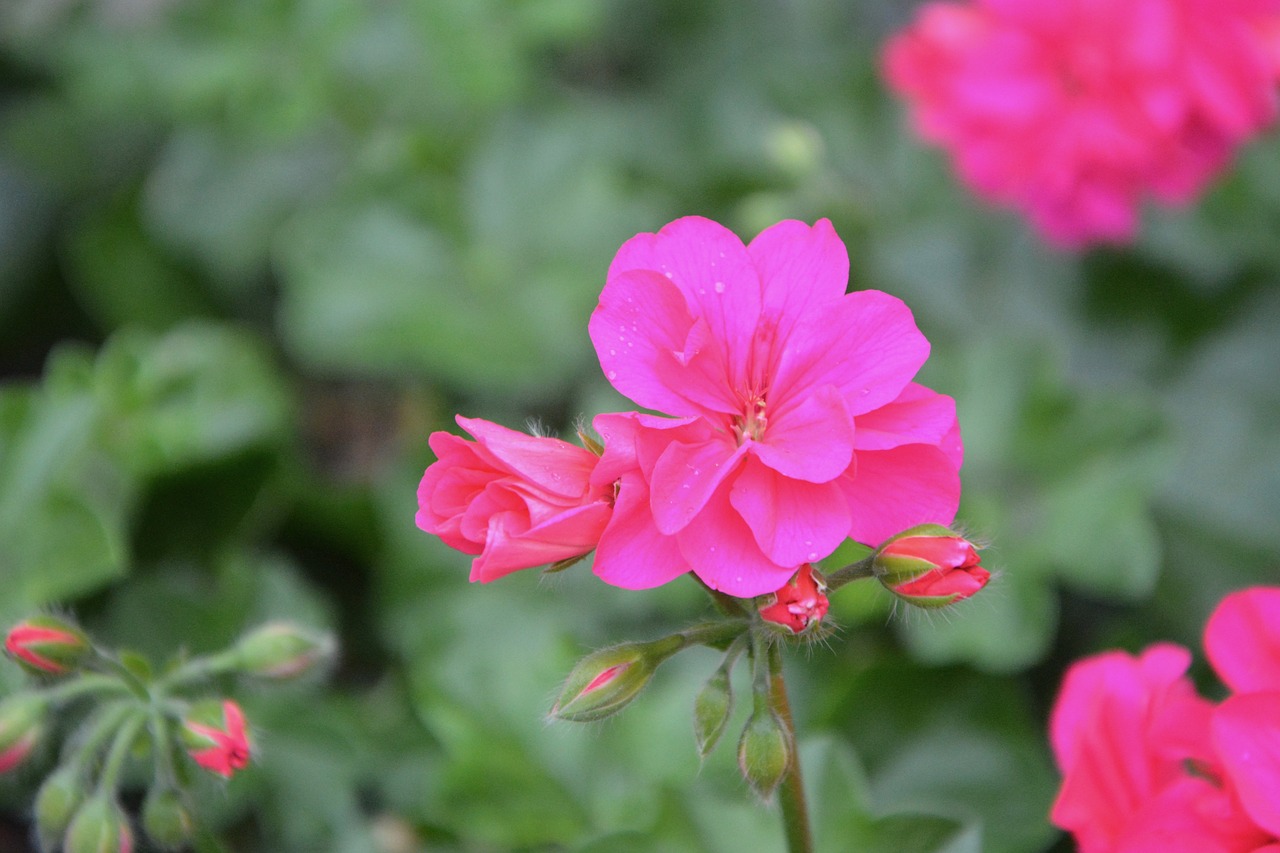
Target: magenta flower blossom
[
  {"x": 1150, "y": 766},
  {"x": 515, "y": 500},
  {"x": 1073, "y": 110},
  {"x": 796, "y": 423}
]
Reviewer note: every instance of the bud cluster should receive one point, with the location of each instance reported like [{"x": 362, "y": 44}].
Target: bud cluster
[
  {"x": 126, "y": 712},
  {"x": 927, "y": 566}
]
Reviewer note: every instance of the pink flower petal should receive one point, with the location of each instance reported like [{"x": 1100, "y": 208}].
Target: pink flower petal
[
  {"x": 710, "y": 266},
  {"x": 640, "y": 330},
  {"x": 891, "y": 490},
  {"x": 793, "y": 521},
  {"x": 553, "y": 465},
  {"x": 1191, "y": 815},
  {"x": 723, "y": 552},
  {"x": 865, "y": 344},
  {"x": 685, "y": 476},
  {"x": 633, "y": 553},
  {"x": 917, "y": 416},
  {"x": 1242, "y": 639},
  {"x": 1246, "y": 734},
  {"x": 800, "y": 267},
  {"x": 810, "y": 441}
]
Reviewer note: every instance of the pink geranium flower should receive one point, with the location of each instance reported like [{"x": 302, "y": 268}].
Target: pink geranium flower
[
  {"x": 1074, "y": 110},
  {"x": 1149, "y": 767},
  {"x": 796, "y": 421},
  {"x": 515, "y": 500}
]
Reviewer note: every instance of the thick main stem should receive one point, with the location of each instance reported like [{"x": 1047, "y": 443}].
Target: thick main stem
[{"x": 795, "y": 809}]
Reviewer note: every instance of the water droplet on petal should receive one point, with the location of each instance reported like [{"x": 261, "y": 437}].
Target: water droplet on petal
[
  {"x": 612, "y": 374},
  {"x": 613, "y": 352},
  {"x": 719, "y": 286},
  {"x": 813, "y": 555}
]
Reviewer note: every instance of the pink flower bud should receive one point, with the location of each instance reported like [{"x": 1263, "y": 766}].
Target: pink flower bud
[
  {"x": 603, "y": 682},
  {"x": 47, "y": 645},
  {"x": 799, "y": 603},
  {"x": 216, "y": 738},
  {"x": 930, "y": 566},
  {"x": 21, "y": 724}
]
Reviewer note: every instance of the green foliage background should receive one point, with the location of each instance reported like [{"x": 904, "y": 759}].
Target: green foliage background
[{"x": 253, "y": 251}]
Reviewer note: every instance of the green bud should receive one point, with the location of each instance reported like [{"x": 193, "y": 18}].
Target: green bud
[
  {"x": 763, "y": 754},
  {"x": 56, "y": 802},
  {"x": 711, "y": 710},
  {"x": 282, "y": 650},
  {"x": 21, "y": 724},
  {"x": 603, "y": 682},
  {"x": 166, "y": 820},
  {"x": 100, "y": 826}
]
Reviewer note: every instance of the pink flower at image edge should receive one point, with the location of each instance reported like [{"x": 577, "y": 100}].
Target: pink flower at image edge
[
  {"x": 795, "y": 421},
  {"x": 1073, "y": 112}
]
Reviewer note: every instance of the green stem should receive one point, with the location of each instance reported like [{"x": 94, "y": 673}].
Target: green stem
[
  {"x": 126, "y": 676},
  {"x": 201, "y": 668},
  {"x": 166, "y": 770},
  {"x": 726, "y": 604},
  {"x": 109, "y": 781},
  {"x": 852, "y": 572},
  {"x": 89, "y": 683},
  {"x": 718, "y": 635},
  {"x": 795, "y": 809}
]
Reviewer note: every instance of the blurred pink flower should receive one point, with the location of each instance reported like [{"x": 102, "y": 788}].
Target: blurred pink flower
[
  {"x": 1150, "y": 767},
  {"x": 1073, "y": 110},
  {"x": 796, "y": 422},
  {"x": 516, "y": 500}
]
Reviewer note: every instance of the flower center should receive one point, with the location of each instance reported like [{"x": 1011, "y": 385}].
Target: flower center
[{"x": 752, "y": 422}]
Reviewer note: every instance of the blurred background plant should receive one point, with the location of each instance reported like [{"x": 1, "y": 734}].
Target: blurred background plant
[{"x": 252, "y": 253}]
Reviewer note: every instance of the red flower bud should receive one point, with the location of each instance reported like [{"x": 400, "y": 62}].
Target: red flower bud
[
  {"x": 216, "y": 738},
  {"x": 930, "y": 566},
  {"x": 799, "y": 603},
  {"x": 21, "y": 723},
  {"x": 46, "y": 644}
]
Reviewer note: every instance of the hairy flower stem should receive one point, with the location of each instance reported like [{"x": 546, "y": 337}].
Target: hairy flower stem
[
  {"x": 795, "y": 809},
  {"x": 852, "y": 572}
]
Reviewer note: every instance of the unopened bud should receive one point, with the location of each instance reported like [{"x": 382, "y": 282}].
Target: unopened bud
[
  {"x": 799, "y": 604},
  {"x": 56, "y": 803},
  {"x": 711, "y": 710},
  {"x": 929, "y": 566},
  {"x": 47, "y": 645},
  {"x": 282, "y": 650},
  {"x": 763, "y": 754},
  {"x": 99, "y": 826},
  {"x": 216, "y": 737},
  {"x": 166, "y": 820},
  {"x": 21, "y": 723},
  {"x": 603, "y": 682}
]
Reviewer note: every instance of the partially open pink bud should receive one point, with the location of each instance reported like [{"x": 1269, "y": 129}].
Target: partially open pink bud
[
  {"x": 216, "y": 737},
  {"x": 47, "y": 645},
  {"x": 603, "y": 682},
  {"x": 800, "y": 603},
  {"x": 21, "y": 723},
  {"x": 930, "y": 566}
]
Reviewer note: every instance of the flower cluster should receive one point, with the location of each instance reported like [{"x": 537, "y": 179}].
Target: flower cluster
[
  {"x": 128, "y": 710},
  {"x": 1150, "y": 765},
  {"x": 1072, "y": 110},
  {"x": 791, "y": 422}
]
